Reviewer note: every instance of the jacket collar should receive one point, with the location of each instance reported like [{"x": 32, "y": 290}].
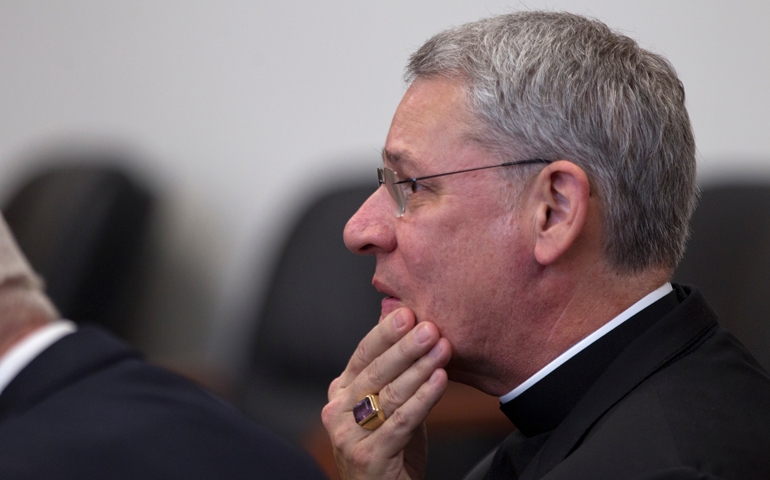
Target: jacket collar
[
  {"x": 543, "y": 406},
  {"x": 61, "y": 364},
  {"x": 682, "y": 329}
]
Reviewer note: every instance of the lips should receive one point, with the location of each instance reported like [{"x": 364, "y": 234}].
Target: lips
[{"x": 389, "y": 303}]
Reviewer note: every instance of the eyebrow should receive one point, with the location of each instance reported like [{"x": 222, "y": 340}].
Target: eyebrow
[{"x": 403, "y": 159}]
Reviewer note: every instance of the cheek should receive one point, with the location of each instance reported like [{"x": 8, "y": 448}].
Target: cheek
[
  {"x": 450, "y": 268},
  {"x": 435, "y": 251},
  {"x": 422, "y": 258}
]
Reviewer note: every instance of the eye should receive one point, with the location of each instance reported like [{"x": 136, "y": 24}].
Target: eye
[{"x": 415, "y": 187}]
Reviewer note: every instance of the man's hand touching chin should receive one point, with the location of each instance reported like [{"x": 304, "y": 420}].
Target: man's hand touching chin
[{"x": 403, "y": 363}]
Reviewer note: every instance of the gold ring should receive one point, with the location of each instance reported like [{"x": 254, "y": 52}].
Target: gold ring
[{"x": 368, "y": 412}]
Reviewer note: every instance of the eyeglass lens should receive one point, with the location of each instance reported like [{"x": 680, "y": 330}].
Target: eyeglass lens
[{"x": 388, "y": 177}]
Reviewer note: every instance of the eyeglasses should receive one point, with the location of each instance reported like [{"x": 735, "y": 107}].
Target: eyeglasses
[{"x": 401, "y": 190}]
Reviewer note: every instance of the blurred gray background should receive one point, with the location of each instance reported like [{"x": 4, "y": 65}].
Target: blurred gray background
[{"x": 236, "y": 112}]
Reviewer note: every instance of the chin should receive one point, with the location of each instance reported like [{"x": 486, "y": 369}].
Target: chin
[
  {"x": 461, "y": 372},
  {"x": 456, "y": 373}
]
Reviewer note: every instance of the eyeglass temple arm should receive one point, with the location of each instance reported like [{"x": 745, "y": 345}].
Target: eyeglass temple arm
[{"x": 507, "y": 164}]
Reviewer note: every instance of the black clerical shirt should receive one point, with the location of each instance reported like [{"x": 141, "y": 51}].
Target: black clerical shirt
[{"x": 543, "y": 406}]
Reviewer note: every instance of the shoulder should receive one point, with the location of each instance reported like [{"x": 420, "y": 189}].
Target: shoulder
[
  {"x": 707, "y": 408},
  {"x": 118, "y": 417}
]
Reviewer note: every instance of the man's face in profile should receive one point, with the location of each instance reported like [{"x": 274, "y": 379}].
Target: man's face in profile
[{"x": 456, "y": 256}]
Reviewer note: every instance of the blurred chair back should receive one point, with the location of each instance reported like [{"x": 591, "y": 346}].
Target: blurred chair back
[
  {"x": 320, "y": 303},
  {"x": 728, "y": 258},
  {"x": 81, "y": 227}
]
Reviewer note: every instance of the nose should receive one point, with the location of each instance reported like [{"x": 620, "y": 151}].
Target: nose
[{"x": 370, "y": 230}]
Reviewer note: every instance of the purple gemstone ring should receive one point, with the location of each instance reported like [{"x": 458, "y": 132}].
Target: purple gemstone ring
[{"x": 368, "y": 412}]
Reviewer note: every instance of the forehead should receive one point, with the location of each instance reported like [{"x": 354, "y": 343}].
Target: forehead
[{"x": 431, "y": 119}]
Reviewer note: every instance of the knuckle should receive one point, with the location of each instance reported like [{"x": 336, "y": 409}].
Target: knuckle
[
  {"x": 361, "y": 456},
  {"x": 361, "y": 355},
  {"x": 327, "y": 415},
  {"x": 333, "y": 387},
  {"x": 339, "y": 437},
  {"x": 330, "y": 412},
  {"x": 337, "y": 440},
  {"x": 421, "y": 395},
  {"x": 390, "y": 394},
  {"x": 399, "y": 420},
  {"x": 425, "y": 366},
  {"x": 408, "y": 348},
  {"x": 427, "y": 396},
  {"x": 376, "y": 374}
]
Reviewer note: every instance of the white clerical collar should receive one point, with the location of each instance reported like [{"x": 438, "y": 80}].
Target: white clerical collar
[
  {"x": 21, "y": 354},
  {"x": 596, "y": 335}
]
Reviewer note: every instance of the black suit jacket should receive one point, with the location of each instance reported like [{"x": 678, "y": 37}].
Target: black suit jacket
[
  {"x": 684, "y": 399},
  {"x": 89, "y": 408}
]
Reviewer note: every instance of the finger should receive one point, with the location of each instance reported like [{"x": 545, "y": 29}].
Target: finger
[
  {"x": 394, "y": 361},
  {"x": 397, "y": 392},
  {"x": 394, "y": 435},
  {"x": 383, "y": 336}
]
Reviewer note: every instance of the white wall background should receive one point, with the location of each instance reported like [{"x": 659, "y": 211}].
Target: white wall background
[{"x": 237, "y": 110}]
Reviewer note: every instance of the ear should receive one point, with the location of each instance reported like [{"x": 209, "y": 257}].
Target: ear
[{"x": 561, "y": 192}]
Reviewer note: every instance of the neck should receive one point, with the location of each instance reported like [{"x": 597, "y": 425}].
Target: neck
[
  {"x": 572, "y": 312},
  {"x": 15, "y": 335},
  {"x": 590, "y": 303},
  {"x": 22, "y": 312}
]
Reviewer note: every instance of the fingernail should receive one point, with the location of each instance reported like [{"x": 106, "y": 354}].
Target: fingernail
[
  {"x": 434, "y": 377},
  {"x": 422, "y": 335},
  {"x": 399, "y": 320},
  {"x": 435, "y": 351}
]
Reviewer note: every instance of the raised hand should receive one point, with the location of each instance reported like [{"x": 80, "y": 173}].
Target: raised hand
[{"x": 403, "y": 362}]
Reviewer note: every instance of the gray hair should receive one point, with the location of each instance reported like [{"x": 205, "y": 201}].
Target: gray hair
[{"x": 561, "y": 86}]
